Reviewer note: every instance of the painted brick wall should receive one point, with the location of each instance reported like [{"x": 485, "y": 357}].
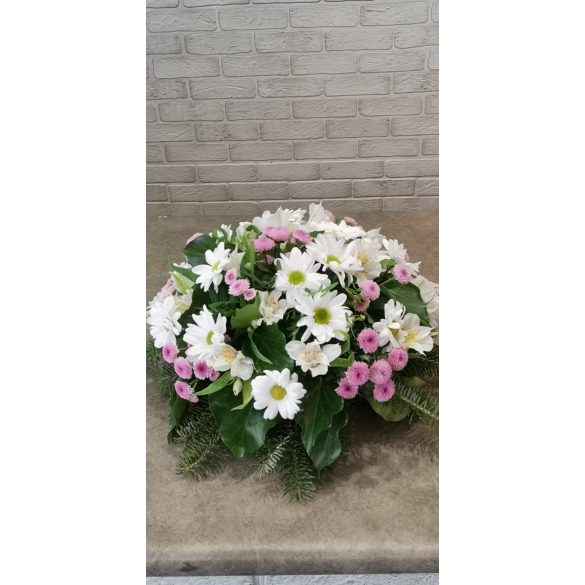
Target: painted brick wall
[{"x": 253, "y": 102}]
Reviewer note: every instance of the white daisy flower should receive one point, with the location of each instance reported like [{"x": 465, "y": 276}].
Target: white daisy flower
[
  {"x": 397, "y": 252},
  {"x": 335, "y": 255},
  {"x": 163, "y": 319},
  {"x": 343, "y": 230},
  {"x": 389, "y": 327},
  {"x": 369, "y": 254},
  {"x": 229, "y": 358},
  {"x": 272, "y": 307},
  {"x": 298, "y": 272},
  {"x": 311, "y": 356},
  {"x": 211, "y": 273},
  {"x": 325, "y": 316},
  {"x": 412, "y": 335},
  {"x": 204, "y": 336},
  {"x": 286, "y": 218},
  {"x": 278, "y": 393}
]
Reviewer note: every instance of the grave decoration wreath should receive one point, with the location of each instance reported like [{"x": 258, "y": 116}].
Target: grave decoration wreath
[{"x": 267, "y": 333}]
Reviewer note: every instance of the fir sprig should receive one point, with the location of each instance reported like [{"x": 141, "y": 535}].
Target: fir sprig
[
  {"x": 418, "y": 398},
  {"x": 299, "y": 477}
]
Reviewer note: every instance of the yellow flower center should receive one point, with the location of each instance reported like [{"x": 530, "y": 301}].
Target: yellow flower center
[
  {"x": 296, "y": 277},
  {"x": 363, "y": 258},
  {"x": 277, "y": 392},
  {"x": 410, "y": 336},
  {"x": 228, "y": 353},
  {"x": 332, "y": 258},
  {"x": 209, "y": 336},
  {"x": 321, "y": 316}
]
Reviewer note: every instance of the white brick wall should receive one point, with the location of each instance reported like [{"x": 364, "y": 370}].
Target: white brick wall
[{"x": 253, "y": 102}]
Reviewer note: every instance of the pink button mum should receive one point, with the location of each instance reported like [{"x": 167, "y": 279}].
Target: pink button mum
[
  {"x": 398, "y": 358},
  {"x": 278, "y": 234},
  {"x": 169, "y": 352},
  {"x": 185, "y": 391},
  {"x": 350, "y": 220},
  {"x": 380, "y": 372},
  {"x": 200, "y": 369},
  {"x": 263, "y": 244},
  {"x": 194, "y": 237},
  {"x": 346, "y": 389},
  {"x": 250, "y": 294},
  {"x": 383, "y": 392},
  {"x": 231, "y": 276},
  {"x": 368, "y": 340},
  {"x": 370, "y": 290},
  {"x": 358, "y": 373},
  {"x": 238, "y": 287},
  {"x": 183, "y": 368},
  {"x": 401, "y": 274},
  {"x": 360, "y": 304},
  {"x": 302, "y": 236},
  {"x": 213, "y": 374}
]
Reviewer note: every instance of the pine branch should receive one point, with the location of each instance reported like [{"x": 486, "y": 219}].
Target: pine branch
[
  {"x": 153, "y": 355},
  {"x": 420, "y": 400},
  {"x": 424, "y": 366},
  {"x": 299, "y": 477},
  {"x": 163, "y": 374},
  {"x": 272, "y": 456}
]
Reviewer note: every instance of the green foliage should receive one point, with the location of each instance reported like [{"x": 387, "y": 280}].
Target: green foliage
[
  {"x": 426, "y": 366},
  {"x": 409, "y": 296},
  {"x": 299, "y": 477},
  {"x": 177, "y": 409},
  {"x": 418, "y": 398},
  {"x": 270, "y": 342},
  {"x": 244, "y": 316},
  {"x": 246, "y": 395},
  {"x": 327, "y": 447},
  {"x": 163, "y": 374},
  {"x": 394, "y": 410},
  {"x": 217, "y": 385},
  {"x": 272, "y": 456},
  {"x": 195, "y": 250}
]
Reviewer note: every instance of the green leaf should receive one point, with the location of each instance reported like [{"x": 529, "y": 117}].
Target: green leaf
[
  {"x": 257, "y": 353},
  {"x": 245, "y": 315},
  {"x": 270, "y": 342},
  {"x": 246, "y": 395},
  {"x": 195, "y": 250},
  {"x": 319, "y": 406},
  {"x": 220, "y": 383},
  {"x": 391, "y": 411},
  {"x": 387, "y": 263},
  {"x": 243, "y": 431},
  {"x": 409, "y": 296},
  {"x": 327, "y": 447},
  {"x": 341, "y": 362},
  {"x": 177, "y": 408}
]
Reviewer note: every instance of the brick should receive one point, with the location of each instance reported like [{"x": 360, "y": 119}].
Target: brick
[
  {"x": 292, "y": 129},
  {"x": 175, "y": 20},
  {"x": 288, "y": 171},
  {"x": 427, "y": 187},
  {"x": 252, "y": 18},
  {"x": 196, "y": 3},
  {"x": 283, "y": 1},
  {"x": 396, "y": 13},
  {"x": 150, "y": 113},
  {"x": 261, "y": 151},
  {"x": 317, "y": 149},
  {"x": 414, "y": 82},
  {"x": 244, "y": 66},
  {"x": 416, "y": 36},
  {"x": 383, "y": 188},
  {"x": 165, "y": 90},
  {"x": 170, "y": 174},
  {"x": 222, "y": 88},
  {"x": 198, "y": 192},
  {"x": 435, "y": 12},
  {"x": 218, "y": 43},
  {"x": 399, "y": 61},
  {"x": 258, "y": 191},
  {"x": 291, "y": 86},
  {"x": 227, "y": 131},
  {"x": 412, "y": 168},
  {"x": 156, "y": 132},
  {"x": 342, "y": 207},
  {"x": 156, "y": 193},
  {"x": 411, "y": 203},
  {"x": 235, "y": 208},
  {"x": 257, "y": 109},
  {"x": 223, "y": 173},
  {"x": 320, "y": 190},
  {"x": 147, "y": 71},
  {"x": 390, "y": 106},
  {"x": 388, "y": 147},
  {"x": 432, "y": 104},
  {"x": 154, "y": 153},
  {"x": 415, "y": 125},
  {"x": 192, "y": 152},
  {"x": 356, "y": 169},
  {"x": 168, "y": 67},
  {"x": 357, "y": 128},
  {"x": 434, "y": 58},
  {"x": 163, "y": 44},
  {"x": 288, "y": 41},
  {"x": 430, "y": 145},
  {"x": 323, "y": 63},
  {"x": 192, "y": 110},
  {"x": 357, "y": 40},
  {"x": 158, "y": 210},
  {"x": 324, "y": 108},
  {"x": 358, "y": 85},
  {"x": 162, "y": 3},
  {"x": 312, "y": 17}
]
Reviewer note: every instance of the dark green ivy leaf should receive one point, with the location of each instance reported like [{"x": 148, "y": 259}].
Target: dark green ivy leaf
[
  {"x": 327, "y": 447},
  {"x": 270, "y": 342},
  {"x": 195, "y": 250},
  {"x": 409, "y": 296},
  {"x": 391, "y": 411}
]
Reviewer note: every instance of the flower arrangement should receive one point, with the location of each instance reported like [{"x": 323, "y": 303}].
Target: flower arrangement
[{"x": 266, "y": 334}]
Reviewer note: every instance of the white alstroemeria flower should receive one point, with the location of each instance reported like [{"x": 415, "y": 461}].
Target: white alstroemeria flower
[
  {"x": 429, "y": 292},
  {"x": 211, "y": 273},
  {"x": 225, "y": 357},
  {"x": 218, "y": 234},
  {"x": 397, "y": 252},
  {"x": 163, "y": 318},
  {"x": 318, "y": 218},
  {"x": 298, "y": 272},
  {"x": 325, "y": 316},
  {"x": 286, "y": 218},
  {"x": 412, "y": 335},
  {"x": 234, "y": 261},
  {"x": 311, "y": 356},
  {"x": 184, "y": 301},
  {"x": 389, "y": 327},
  {"x": 204, "y": 335},
  {"x": 335, "y": 255},
  {"x": 278, "y": 393},
  {"x": 369, "y": 254},
  {"x": 272, "y": 307},
  {"x": 343, "y": 230}
]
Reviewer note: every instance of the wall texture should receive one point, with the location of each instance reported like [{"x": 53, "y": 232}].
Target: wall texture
[{"x": 253, "y": 102}]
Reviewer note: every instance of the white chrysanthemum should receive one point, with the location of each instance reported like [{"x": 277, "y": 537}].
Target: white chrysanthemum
[
  {"x": 225, "y": 357},
  {"x": 429, "y": 292},
  {"x": 335, "y": 255},
  {"x": 325, "y": 316},
  {"x": 278, "y": 393},
  {"x": 343, "y": 230},
  {"x": 311, "y": 356},
  {"x": 272, "y": 307},
  {"x": 397, "y": 252},
  {"x": 318, "y": 218},
  {"x": 369, "y": 254},
  {"x": 412, "y": 335},
  {"x": 389, "y": 327},
  {"x": 211, "y": 273},
  {"x": 163, "y": 318},
  {"x": 298, "y": 272},
  {"x": 204, "y": 335},
  {"x": 286, "y": 218}
]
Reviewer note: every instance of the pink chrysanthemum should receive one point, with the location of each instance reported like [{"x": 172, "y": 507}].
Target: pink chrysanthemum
[
  {"x": 212, "y": 374},
  {"x": 370, "y": 290},
  {"x": 194, "y": 237},
  {"x": 368, "y": 340},
  {"x": 169, "y": 352},
  {"x": 329, "y": 214},
  {"x": 302, "y": 236},
  {"x": 358, "y": 373},
  {"x": 350, "y": 220},
  {"x": 231, "y": 276},
  {"x": 278, "y": 234},
  {"x": 185, "y": 391},
  {"x": 263, "y": 244},
  {"x": 269, "y": 259},
  {"x": 250, "y": 294},
  {"x": 183, "y": 368},
  {"x": 380, "y": 372},
  {"x": 383, "y": 392},
  {"x": 360, "y": 304},
  {"x": 238, "y": 287},
  {"x": 200, "y": 369},
  {"x": 401, "y": 274},
  {"x": 346, "y": 389},
  {"x": 398, "y": 358}
]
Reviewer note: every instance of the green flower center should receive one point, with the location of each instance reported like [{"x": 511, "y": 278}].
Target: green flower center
[
  {"x": 322, "y": 316},
  {"x": 209, "y": 336},
  {"x": 215, "y": 266},
  {"x": 296, "y": 277},
  {"x": 332, "y": 258},
  {"x": 277, "y": 392}
]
